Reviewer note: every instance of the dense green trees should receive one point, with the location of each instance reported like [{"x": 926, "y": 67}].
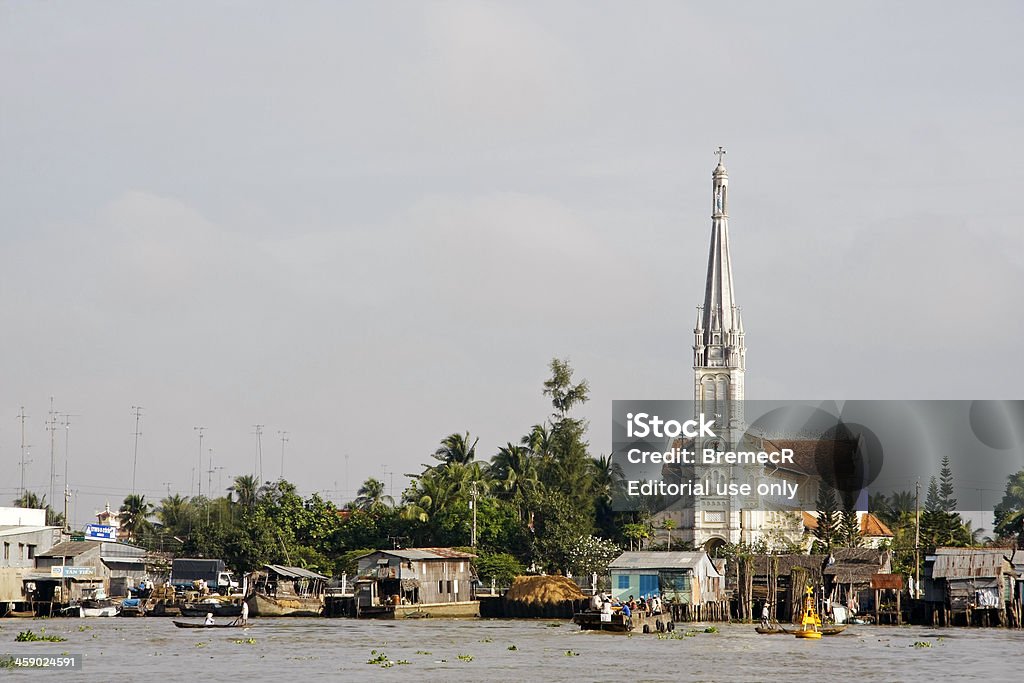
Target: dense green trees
[
  {"x": 541, "y": 501},
  {"x": 1010, "y": 510}
]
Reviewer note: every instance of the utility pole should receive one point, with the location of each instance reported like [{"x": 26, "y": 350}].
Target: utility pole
[
  {"x": 67, "y": 495},
  {"x": 472, "y": 504},
  {"x": 259, "y": 454},
  {"x": 137, "y": 412},
  {"x": 209, "y": 485},
  {"x": 209, "y": 479},
  {"x": 67, "y": 489},
  {"x": 51, "y": 426},
  {"x": 24, "y": 461},
  {"x": 917, "y": 539},
  {"x": 199, "y": 494},
  {"x": 284, "y": 439}
]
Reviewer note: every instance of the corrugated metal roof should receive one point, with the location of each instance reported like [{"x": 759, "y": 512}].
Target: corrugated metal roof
[
  {"x": 964, "y": 563},
  {"x": 295, "y": 572},
  {"x": 424, "y": 554},
  {"x": 70, "y": 549},
  {"x": 683, "y": 559},
  {"x": 857, "y": 565}
]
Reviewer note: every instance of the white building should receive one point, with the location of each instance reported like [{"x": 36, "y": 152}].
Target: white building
[{"x": 23, "y": 536}]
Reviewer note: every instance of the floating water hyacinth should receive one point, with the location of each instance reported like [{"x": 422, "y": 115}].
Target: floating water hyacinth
[{"x": 29, "y": 636}]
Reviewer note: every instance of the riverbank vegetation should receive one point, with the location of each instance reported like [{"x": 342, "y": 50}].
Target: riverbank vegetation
[{"x": 543, "y": 501}]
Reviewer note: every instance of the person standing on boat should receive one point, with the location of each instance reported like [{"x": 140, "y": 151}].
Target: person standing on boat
[
  {"x": 245, "y": 613},
  {"x": 765, "y": 614},
  {"x": 209, "y": 619}
]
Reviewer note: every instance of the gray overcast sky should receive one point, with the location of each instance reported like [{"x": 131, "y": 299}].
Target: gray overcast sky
[{"x": 373, "y": 224}]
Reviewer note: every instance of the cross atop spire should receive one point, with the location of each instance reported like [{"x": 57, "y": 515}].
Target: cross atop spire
[{"x": 721, "y": 153}]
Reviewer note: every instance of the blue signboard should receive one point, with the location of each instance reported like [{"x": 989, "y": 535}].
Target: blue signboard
[
  {"x": 68, "y": 571},
  {"x": 101, "y": 532}
]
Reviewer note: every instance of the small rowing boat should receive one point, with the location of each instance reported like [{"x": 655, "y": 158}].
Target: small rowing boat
[{"x": 190, "y": 624}]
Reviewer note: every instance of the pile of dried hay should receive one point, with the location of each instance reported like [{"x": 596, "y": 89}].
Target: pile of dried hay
[{"x": 543, "y": 590}]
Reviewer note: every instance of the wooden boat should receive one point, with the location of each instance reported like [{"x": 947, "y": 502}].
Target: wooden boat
[
  {"x": 639, "y": 622},
  {"x": 280, "y": 591},
  {"x": 99, "y": 610},
  {"x": 832, "y": 630},
  {"x": 218, "y": 608},
  {"x": 133, "y": 607},
  {"x": 261, "y": 605},
  {"x": 189, "y": 624},
  {"x": 166, "y": 609},
  {"x": 17, "y": 614}
]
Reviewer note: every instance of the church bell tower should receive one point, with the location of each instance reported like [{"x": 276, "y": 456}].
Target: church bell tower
[{"x": 719, "y": 351}]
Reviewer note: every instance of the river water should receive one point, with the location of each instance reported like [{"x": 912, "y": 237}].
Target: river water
[{"x": 303, "y": 650}]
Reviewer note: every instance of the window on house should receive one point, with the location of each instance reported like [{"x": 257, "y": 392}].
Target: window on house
[
  {"x": 7, "y": 550},
  {"x": 623, "y": 581},
  {"x": 21, "y": 551},
  {"x": 440, "y": 586},
  {"x": 31, "y": 552}
]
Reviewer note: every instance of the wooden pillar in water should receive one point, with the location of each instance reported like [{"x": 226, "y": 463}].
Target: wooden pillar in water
[{"x": 797, "y": 584}]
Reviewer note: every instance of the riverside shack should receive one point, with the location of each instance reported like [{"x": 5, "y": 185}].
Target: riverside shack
[
  {"x": 686, "y": 577},
  {"x": 969, "y": 584},
  {"x": 402, "y": 582}
]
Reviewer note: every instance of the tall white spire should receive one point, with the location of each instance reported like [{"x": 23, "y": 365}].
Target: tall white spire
[{"x": 719, "y": 350}]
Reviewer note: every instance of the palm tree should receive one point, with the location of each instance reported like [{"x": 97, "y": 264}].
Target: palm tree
[
  {"x": 245, "y": 489},
  {"x": 456, "y": 448},
  {"x": 33, "y": 501},
  {"x": 607, "y": 477},
  {"x": 176, "y": 514},
  {"x": 540, "y": 442},
  {"x": 426, "y": 496},
  {"x": 135, "y": 513},
  {"x": 514, "y": 473},
  {"x": 370, "y": 496},
  {"x": 668, "y": 525}
]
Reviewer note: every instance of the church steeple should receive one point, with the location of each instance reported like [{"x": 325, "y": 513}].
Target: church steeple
[{"x": 719, "y": 351}]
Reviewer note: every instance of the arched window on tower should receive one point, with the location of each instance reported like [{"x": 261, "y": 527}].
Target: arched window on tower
[
  {"x": 722, "y": 400},
  {"x": 709, "y": 396}
]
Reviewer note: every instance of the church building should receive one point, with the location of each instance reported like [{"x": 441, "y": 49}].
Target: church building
[{"x": 719, "y": 365}]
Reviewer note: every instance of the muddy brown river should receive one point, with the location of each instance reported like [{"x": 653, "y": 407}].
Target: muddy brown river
[{"x": 302, "y": 650}]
